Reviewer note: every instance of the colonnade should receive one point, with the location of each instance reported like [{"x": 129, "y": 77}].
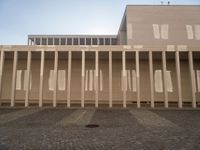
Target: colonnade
[{"x": 83, "y": 59}]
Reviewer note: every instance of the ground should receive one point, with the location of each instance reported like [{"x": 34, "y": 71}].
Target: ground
[{"x": 119, "y": 129}]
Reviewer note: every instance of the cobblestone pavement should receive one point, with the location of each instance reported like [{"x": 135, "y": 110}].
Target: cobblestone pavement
[{"x": 119, "y": 129}]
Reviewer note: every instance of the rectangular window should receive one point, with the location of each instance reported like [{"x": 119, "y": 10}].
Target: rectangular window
[
  {"x": 19, "y": 80},
  {"x": 134, "y": 89},
  {"x": 61, "y": 80},
  {"x": 156, "y": 31},
  {"x": 101, "y": 81},
  {"x": 164, "y": 31},
  {"x": 189, "y": 30},
  {"x": 198, "y": 80},
  {"x": 158, "y": 81},
  {"x": 25, "y": 80},
  {"x": 51, "y": 80},
  {"x": 169, "y": 81},
  {"x": 91, "y": 80},
  {"x": 86, "y": 80},
  {"x": 197, "y": 31}
]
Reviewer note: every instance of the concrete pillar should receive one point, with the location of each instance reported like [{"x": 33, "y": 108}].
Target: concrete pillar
[
  {"x": 96, "y": 78},
  {"x": 151, "y": 78},
  {"x": 28, "y": 79},
  {"x": 110, "y": 79},
  {"x": 192, "y": 80},
  {"x": 137, "y": 77},
  {"x": 55, "y": 77},
  {"x": 41, "y": 77},
  {"x": 69, "y": 78},
  {"x": 59, "y": 41},
  {"x": 83, "y": 79},
  {"x": 1, "y": 71},
  {"x": 164, "y": 78},
  {"x": 178, "y": 75},
  {"x": 124, "y": 77},
  {"x": 14, "y": 78},
  {"x": 40, "y": 41},
  {"x": 34, "y": 41}
]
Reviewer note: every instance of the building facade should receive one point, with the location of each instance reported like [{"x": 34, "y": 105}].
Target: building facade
[{"x": 154, "y": 60}]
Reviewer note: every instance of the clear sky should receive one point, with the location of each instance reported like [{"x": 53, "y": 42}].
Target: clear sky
[{"x": 18, "y": 18}]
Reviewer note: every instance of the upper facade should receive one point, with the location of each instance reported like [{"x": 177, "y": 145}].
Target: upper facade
[
  {"x": 151, "y": 25},
  {"x": 72, "y": 40},
  {"x": 160, "y": 25}
]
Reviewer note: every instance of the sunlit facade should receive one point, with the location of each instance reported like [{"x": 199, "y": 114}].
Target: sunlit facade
[{"x": 153, "y": 61}]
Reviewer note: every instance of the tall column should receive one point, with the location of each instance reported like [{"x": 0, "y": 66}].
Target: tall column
[
  {"x": 178, "y": 75},
  {"x": 164, "y": 78},
  {"x": 59, "y": 41},
  {"x": 66, "y": 41},
  {"x": 55, "y": 77},
  {"x": 110, "y": 79},
  {"x": 124, "y": 77},
  {"x": 78, "y": 41},
  {"x": 28, "y": 41},
  {"x": 34, "y": 41},
  {"x": 69, "y": 78},
  {"x": 40, "y": 41},
  {"x": 96, "y": 78},
  {"x": 1, "y": 71},
  {"x": 151, "y": 78},
  {"x": 28, "y": 79},
  {"x": 14, "y": 78},
  {"x": 192, "y": 80},
  {"x": 53, "y": 40},
  {"x": 41, "y": 78},
  {"x": 83, "y": 79},
  {"x": 137, "y": 77}
]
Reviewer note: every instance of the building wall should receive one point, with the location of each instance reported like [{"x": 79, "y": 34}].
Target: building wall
[
  {"x": 104, "y": 69},
  {"x": 173, "y": 25}
]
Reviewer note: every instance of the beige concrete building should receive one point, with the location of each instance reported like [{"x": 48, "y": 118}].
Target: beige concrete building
[{"x": 154, "y": 60}]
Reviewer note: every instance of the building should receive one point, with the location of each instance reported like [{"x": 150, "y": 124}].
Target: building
[{"x": 154, "y": 60}]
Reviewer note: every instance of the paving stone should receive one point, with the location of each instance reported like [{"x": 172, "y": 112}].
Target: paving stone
[{"x": 118, "y": 129}]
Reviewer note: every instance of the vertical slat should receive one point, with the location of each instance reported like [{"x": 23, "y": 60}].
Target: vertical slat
[
  {"x": 83, "y": 79},
  {"x": 110, "y": 79},
  {"x": 34, "y": 41},
  {"x": 124, "y": 77},
  {"x": 14, "y": 78},
  {"x": 1, "y": 71},
  {"x": 69, "y": 78},
  {"x": 192, "y": 80},
  {"x": 178, "y": 74},
  {"x": 151, "y": 78},
  {"x": 28, "y": 79},
  {"x": 137, "y": 77},
  {"x": 41, "y": 78},
  {"x": 55, "y": 78},
  {"x": 96, "y": 78},
  {"x": 40, "y": 41},
  {"x": 164, "y": 78}
]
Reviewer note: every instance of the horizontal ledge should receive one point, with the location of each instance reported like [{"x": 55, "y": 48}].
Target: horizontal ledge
[{"x": 80, "y": 48}]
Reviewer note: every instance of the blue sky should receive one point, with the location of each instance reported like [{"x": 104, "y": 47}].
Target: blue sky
[{"x": 18, "y": 18}]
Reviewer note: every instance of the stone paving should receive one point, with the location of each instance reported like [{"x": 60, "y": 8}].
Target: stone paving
[{"x": 119, "y": 129}]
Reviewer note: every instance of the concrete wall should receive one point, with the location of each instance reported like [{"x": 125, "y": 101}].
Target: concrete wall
[
  {"x": 173, "y": 25},
  {"x": 103, "y": 66}
]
